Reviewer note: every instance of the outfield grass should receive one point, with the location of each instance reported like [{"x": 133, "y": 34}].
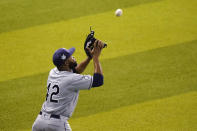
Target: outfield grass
[
  {"x": 147, "y": 76},
  {"x": 169, "y": 114},
  {"x": 150, "y": 65},
  {"x": 145, "y": 30},
  {"x": 19, "y": 14}
]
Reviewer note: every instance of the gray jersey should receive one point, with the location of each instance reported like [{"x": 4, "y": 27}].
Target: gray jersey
[{"x": 63, "y": 91}]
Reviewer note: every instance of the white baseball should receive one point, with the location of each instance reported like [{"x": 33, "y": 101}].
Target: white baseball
[{"x": 118, "y": 12}]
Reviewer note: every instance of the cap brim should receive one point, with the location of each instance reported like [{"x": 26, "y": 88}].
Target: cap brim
[{"x": 71, "y": 50}]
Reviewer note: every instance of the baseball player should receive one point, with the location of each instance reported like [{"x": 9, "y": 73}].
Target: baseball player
[{"x": 63, "y": 86}]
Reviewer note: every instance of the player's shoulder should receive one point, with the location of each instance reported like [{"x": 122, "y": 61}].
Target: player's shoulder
[
  {"x": 55, "y": 72},
  {"x": 66, "y": 75},
  {"x": 62, "y": 77}
]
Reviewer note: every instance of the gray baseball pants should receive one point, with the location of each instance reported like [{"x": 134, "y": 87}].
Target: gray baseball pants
[{"x": 45, "y": 123}]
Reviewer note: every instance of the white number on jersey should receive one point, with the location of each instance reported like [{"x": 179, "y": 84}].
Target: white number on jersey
[{"x": 53, "y": 93}]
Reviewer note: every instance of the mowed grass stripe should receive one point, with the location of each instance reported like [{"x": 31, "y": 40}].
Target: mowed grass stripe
[
  {"x": 29, "y": 51},
  {"x": 173, "y": 113},
  {"x": 170, "y": 114},
  {"x": 129, "y": 80},
  {"x": 17, "y": 14}
]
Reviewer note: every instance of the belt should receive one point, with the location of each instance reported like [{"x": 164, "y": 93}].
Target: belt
[{"x": 52, "y": 115}]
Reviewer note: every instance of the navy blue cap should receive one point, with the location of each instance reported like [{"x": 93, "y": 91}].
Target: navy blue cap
[{"x": 61, "y": 55}]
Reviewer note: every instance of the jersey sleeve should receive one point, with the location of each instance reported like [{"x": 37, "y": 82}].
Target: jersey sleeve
[{"x": 81, "y": 82}]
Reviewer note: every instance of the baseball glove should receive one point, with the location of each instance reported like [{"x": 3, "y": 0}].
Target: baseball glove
[{"x": 89, "y": 43}]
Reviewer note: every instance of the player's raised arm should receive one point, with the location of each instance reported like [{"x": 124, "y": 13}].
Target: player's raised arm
[
  {"x": 82, "y": 66},
  {"x": 98, "y": 74},
  {"x": 82, "y": 82}
]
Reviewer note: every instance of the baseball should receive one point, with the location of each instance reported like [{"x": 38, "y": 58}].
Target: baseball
[{"x": 118, "y": 12}]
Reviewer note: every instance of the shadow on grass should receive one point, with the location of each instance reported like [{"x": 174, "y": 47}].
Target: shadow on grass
[
  {"x": 20, "y": 14},
  {"x": 129, "y": 80}
]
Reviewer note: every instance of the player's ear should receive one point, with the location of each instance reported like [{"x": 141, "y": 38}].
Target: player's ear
[{"x": 66, "y": 62}]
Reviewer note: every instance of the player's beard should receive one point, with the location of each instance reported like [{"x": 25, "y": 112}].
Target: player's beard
[{"x": 72, "y": 65}]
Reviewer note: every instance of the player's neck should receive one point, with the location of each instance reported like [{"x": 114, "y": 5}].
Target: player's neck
[{"x": 64, "y": 68}]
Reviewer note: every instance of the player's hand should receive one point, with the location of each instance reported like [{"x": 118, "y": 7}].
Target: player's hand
[
  {"x": 90, "y": 52},
  {"x": 98, "y": 46}
]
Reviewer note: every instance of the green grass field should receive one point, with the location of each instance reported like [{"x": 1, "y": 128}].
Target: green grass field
[{"x": 150, "y": 65}]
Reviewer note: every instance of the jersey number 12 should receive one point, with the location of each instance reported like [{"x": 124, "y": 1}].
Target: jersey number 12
[{"x": 53, "y": 93}]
